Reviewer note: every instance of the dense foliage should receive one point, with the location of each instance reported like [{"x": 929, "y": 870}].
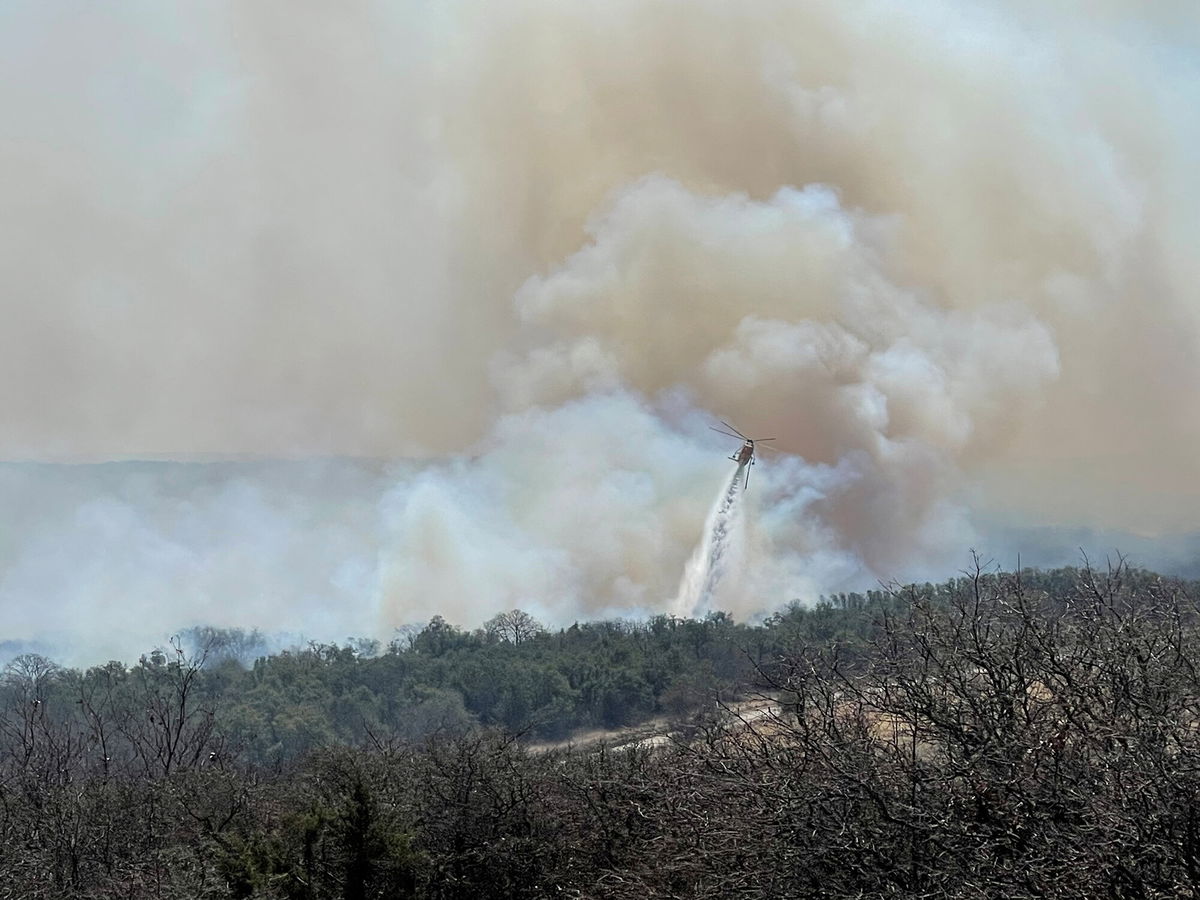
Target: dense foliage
[
  {"x": 1018, "y": 736},
  {"x": 511, "y": 674}
]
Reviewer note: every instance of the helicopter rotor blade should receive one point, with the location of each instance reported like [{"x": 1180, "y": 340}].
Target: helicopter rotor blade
[
  {"x": 734, "y": 430},
  {"x": 726, "y": 433},
  {"x": 772, "y": 449}
]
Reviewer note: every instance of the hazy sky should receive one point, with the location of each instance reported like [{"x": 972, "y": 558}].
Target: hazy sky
[{"x": 945, "y": 251}]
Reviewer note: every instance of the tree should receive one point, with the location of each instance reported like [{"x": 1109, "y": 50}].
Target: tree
[
  {"x": 513, "y": 627},
  {"x": 438, "y": 638},
  {"x": 166, "y": 727}
]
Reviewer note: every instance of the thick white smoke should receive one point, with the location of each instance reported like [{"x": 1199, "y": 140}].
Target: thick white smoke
[{"x": 944, "y": 252}]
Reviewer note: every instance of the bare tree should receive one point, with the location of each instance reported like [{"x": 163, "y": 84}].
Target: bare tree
[
  {"x": 513, "y": 627},
  {"x": 25, "y": 682},
  {"x": 167, "y": 729}
]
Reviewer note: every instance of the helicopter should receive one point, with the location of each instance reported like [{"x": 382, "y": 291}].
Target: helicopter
[{"x": 744, "y": 457}]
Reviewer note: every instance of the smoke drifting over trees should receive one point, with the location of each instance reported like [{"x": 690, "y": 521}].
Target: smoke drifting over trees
[{"x": 946, "y": 254}]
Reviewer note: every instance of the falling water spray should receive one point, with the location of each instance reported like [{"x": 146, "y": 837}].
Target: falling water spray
[{"x": 718, "y": 553}]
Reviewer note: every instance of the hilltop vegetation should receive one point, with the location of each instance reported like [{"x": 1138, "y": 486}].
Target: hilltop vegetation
[
  {"x": 512, "y": 675},
  {"x": 995, "y": 735}
]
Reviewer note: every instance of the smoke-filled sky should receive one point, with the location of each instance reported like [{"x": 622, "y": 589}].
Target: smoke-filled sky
[{"x": 519, "y": 254}]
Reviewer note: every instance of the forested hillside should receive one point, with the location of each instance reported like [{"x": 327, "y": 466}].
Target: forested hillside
[
  {"x": 512, "y": 675},
  {"x": 995, "y": 735}
]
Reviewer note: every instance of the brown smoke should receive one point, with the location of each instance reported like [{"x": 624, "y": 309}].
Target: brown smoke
[{"x": 945, "y": 252}]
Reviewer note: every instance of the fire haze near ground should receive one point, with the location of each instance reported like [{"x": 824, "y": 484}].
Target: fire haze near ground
[{"x": 528, "y": 250}]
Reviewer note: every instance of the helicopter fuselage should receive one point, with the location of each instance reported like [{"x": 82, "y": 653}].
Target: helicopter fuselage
[{"x": 745, "y": 455}]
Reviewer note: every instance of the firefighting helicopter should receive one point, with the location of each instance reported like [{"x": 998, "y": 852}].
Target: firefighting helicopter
[{"x": 745, "y": 455}]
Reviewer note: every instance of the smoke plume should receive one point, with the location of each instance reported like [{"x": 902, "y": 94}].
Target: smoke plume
[{"x": 943, "y": 251}]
